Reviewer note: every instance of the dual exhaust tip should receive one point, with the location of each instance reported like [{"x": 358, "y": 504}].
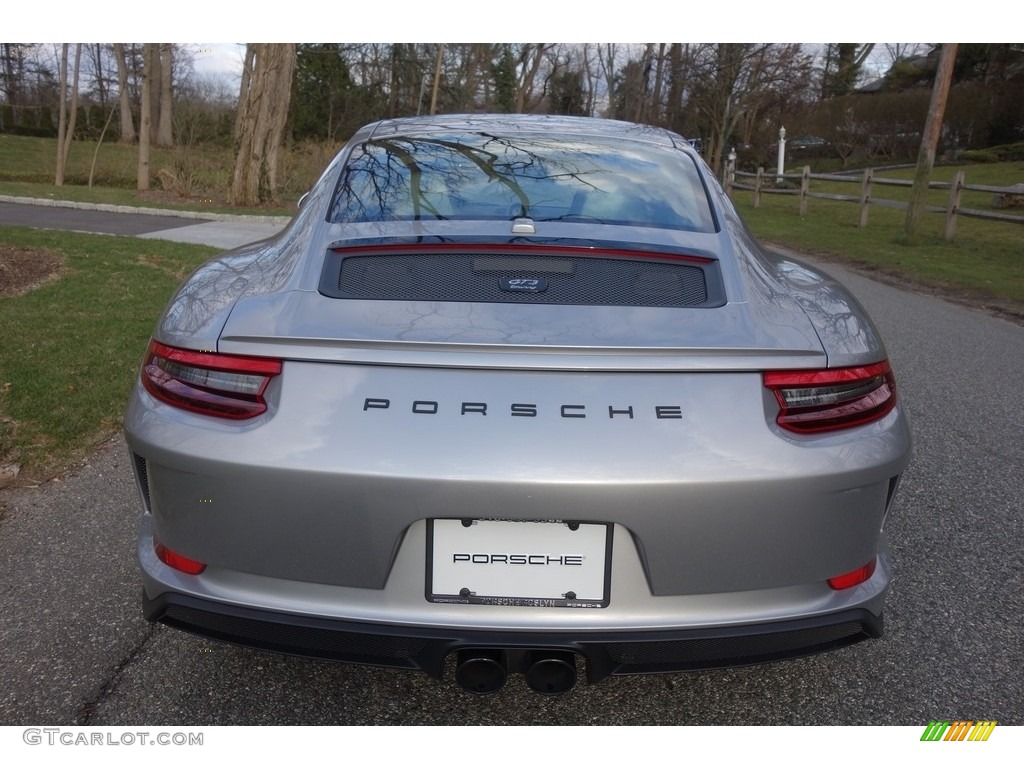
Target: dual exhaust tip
[{"x": 485, "y": 670}]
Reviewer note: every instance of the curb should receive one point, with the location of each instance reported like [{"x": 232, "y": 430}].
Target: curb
[{"x": 108, "y": 208}]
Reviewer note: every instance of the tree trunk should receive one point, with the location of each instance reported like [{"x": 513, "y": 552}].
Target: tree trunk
[
  {"x": 606, "y": 57},
  {"x": 13, "y": 72},
  {"x": 243, "y": 92},
  {"x": 62, "y": 116},
  {"x": 396, "y": 52},
  {"x": 930, "y": 140},
  {"x": 674, "y": 102},
  {"x": 655, "y": 115},
  {"x": 99, "y": 143},
  {"x": 149, "y": 54},
  {"x": 154, "y": 92},
  {"x": 66, "y": 124},
  {"x": 127, "y": 125},
  {"x": 262, "y": 116},
  {"x": 437, "y": 79},
  {"x": 530, "y": 60},
  {"x": 164, "y": 137},
  {"x": 101, "y": 84}
]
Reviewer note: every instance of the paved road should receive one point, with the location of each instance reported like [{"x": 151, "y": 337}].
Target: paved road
[
  {"x": 76, "y": 651},
  {"x": 226, "y": 232}
]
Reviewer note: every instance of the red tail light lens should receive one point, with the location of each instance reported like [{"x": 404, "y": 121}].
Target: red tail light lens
[
  {"x": 853, "y": 578},
  {"x": 228, "y": 386},
  {"x": 178, "y": 561},
  {"x": 834, "y": 398}
]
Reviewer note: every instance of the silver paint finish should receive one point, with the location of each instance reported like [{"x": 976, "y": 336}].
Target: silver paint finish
[{"x": 713, "y": 497}]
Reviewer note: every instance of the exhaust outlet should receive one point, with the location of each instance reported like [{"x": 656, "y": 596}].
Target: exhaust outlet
[
  {"x": 481, "y": 670},
  {"x": 551, "y": 672}
]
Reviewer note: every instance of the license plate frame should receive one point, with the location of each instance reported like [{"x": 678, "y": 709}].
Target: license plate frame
[{"x": 522, "y": 563}]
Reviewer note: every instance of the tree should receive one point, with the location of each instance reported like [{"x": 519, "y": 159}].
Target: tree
[
  {"x": 503, "y": 71},
  {"x": 607, "y": 55},
  {"x": 531, "y": 57},
  {"x": 930, "y": 140},
  {"x": 566, "y": 95},
  {"x": 150, "y": 56},
  {"x": 164, "y": 135},
  {"x": 731, "y": 84},
  {"x": 327, "y": 102},
  {"x": 843, "y": 65},
  {"x": 13, "y": 66},
  {"x": 676, "y": 77},
  {"x": 66, "y": 125},
  {"x": 262, "y": 114},
  {"x": 125, "y": 108}
]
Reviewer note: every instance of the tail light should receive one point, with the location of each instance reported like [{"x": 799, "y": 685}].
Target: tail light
[
  {"x": 834, "y": 398},
  {"x": 228, "y": 386}
]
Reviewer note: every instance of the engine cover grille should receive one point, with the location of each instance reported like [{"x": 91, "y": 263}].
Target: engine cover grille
[{"x": 472, "y": 277}]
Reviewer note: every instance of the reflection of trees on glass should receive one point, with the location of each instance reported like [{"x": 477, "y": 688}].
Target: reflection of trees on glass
[{"x": 482, "y": 176}]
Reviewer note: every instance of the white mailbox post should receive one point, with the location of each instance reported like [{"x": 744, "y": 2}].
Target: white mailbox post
[{"x": 782, "y": 155}]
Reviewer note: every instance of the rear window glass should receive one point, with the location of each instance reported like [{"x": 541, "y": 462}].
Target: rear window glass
[{"x": 545, "y": 178}]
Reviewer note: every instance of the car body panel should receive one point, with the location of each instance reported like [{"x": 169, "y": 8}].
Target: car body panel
[
  {"x": 400, "y": 601},
  {"x": 340, "y": 477}
]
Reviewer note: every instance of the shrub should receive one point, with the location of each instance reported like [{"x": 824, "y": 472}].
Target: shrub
[{"x": 979, "y": 156}]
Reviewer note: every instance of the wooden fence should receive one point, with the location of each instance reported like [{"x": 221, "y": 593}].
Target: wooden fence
[{"x": 867, "y": 181}]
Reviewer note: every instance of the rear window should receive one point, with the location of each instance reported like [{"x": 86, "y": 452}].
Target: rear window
[{"x": 480, "y": 176}]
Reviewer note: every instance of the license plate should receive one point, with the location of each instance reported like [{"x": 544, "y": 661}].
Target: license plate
[{"x": 550, "y": 564}]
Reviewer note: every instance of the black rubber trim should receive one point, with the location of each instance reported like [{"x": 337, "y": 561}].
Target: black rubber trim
[{"x": 606, "y": 652}]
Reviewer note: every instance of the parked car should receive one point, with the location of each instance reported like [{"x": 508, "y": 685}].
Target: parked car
[
  {"x": 807, "y": 144},
  {"x": 523, "y": 392}
]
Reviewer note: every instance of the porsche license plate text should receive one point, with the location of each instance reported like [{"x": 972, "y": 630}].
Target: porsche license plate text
[{"x": 502, "y": 562}]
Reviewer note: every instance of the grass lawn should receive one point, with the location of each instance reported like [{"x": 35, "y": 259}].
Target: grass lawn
[
  {"x": 985, "y": 261},
  {"x": 183, "y": 177},
  {"x": 70, "y": 349}
]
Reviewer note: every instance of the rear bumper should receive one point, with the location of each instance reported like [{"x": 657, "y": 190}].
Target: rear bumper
[{"x": 425, "y": 649}]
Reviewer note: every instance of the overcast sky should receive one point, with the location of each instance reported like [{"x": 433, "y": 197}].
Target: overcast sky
[
  {"x": 472, "y": 20},
  {"x": 190, "y": 21},
  {"x": 218, "y": 59}
]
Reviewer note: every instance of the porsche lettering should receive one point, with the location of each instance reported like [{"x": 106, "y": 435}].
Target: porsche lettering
[
  {"x": 516, "y": 559},
  {"x": 527, "y": 410}
]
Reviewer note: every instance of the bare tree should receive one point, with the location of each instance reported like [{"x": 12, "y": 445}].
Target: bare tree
[
  {"x": 164, "y": 137},
  {"x": 95, "y": 53},
  {"x": 654, "y": 113},
  {"x": 150, "y": 56},
  {"x": 590, "y": 78},
  {"x": 127, "y": 125},
  {"x": 66, "y": 125},
  {"x": 677, "y": 66},
  {"x": 531, "y": 56},
  {"x": 897, "y": 51},
  {"x": 607, "y": 56},
  {"x": 13, "y": 58},
  {"x": 262, "y": 115},
  {"x": 716, "y": 93},
  {"x": 733, "y": 83}
]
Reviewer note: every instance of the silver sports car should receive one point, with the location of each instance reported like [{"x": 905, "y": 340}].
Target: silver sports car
[{"x": 522, "y": 391}]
